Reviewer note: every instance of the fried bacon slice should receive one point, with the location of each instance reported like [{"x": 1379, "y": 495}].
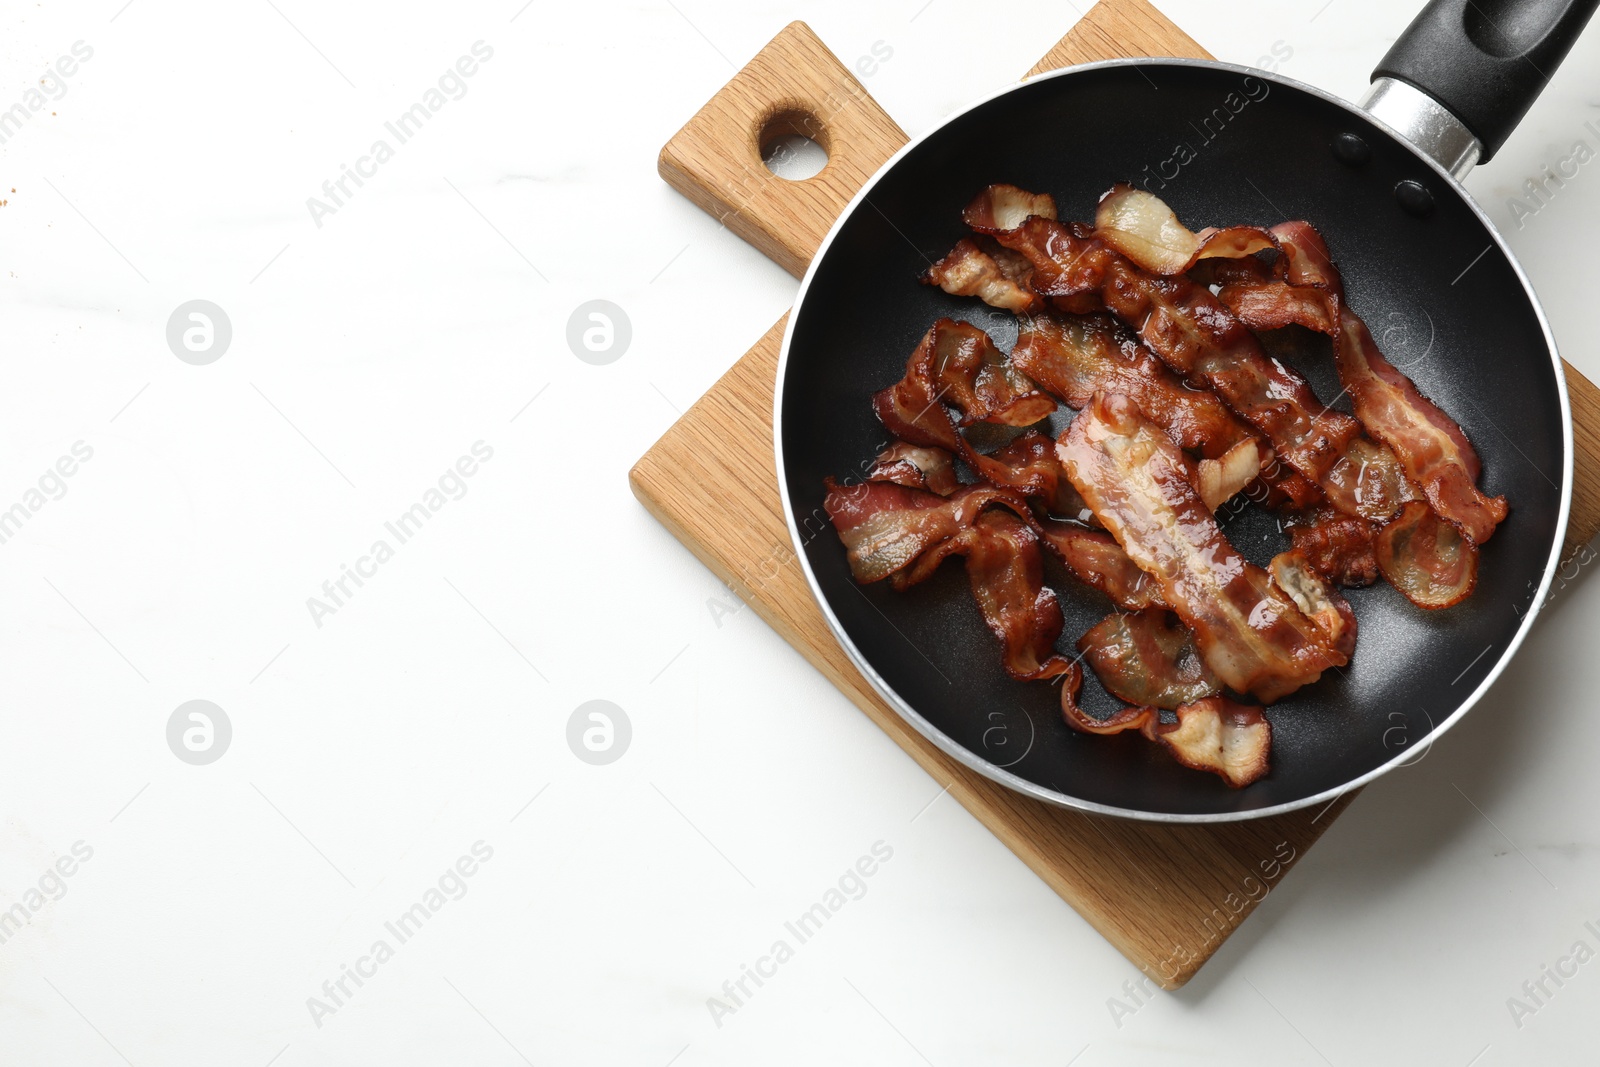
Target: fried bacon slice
[
  {"x": 1007, "y": 576},
  {"x": 1427, "y": 558},
  {"x": 1198, "y": 337},
  {"x": 1096, "y": 560},
  {"x": 1075, "y": 357},
  {"x": 1367, "y": 481},
  {"x": 892, "y": 531},
  {"x": 916, "y": 467},
  {"x": 956, "y": 363},
  {"x": 1005, "y": 207},
  {"x": 1229, "y": 739},
  {"x": 1147, "y": 658},
  {"x": 1142, "y": 227},
  {"x": 1218, "y": 480},
  {"x": 976, "y": 378},
  {"x": 1305, "y": 289},
  {"x": 885, "y": 526},
  {"x": 998, "y": 277},
  {"x": 1272, "y": 304},
  {"x": 1140, "y": 487},
  {"x": 1006, "y": 572},
  {"x": 1323, "y": 605},
  {"x": 1431, "y": 447},
  {"x": 1435, "y": 452},
  {"x": 1303, "y": 256},
  {"x": 910, "y": 410},
  {"x": 1295, "y": 289},
  {"x": 1336, "y": 546},
  {"x": 913, "y": 410},
  {"x": 1029, "y": 465}
]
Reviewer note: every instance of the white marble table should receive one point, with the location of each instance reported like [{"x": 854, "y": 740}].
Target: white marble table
[{"x": 398, "y": 857}]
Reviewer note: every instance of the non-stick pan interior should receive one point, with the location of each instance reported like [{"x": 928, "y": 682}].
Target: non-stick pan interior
[{"x": 1221, "y": 147}]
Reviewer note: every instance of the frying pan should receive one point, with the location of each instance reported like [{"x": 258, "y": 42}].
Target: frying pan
[{"x": 1421, "y": 263}]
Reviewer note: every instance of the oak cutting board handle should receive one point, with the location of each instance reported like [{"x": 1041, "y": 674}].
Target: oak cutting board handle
[{"x": 794, "y": 85}]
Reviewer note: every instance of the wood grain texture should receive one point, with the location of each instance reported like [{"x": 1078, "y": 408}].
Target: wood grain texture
[
  {"x": 1585, "y": 520},
  {"x": 1119, "y": 29},
  {"x": 1166, "y": 896},
  {"x": 793, "y": 85}
]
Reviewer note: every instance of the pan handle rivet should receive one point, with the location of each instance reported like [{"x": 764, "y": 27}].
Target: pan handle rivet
[
  {"x": 1351, "y": 149},
  {"x": 1414, "y": 198}
]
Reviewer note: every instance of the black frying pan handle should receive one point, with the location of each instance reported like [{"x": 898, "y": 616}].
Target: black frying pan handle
[{"x": 1486, "y": 61}]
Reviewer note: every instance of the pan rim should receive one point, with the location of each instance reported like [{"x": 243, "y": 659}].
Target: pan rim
[{"x": 1001, "y": 775}]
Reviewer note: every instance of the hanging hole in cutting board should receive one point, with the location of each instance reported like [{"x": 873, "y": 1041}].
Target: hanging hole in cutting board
[{"x": 794, "y": 145}]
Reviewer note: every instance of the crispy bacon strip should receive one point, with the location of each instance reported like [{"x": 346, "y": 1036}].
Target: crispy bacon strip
[
  {"x": 885, "y": 526},
  {"x": 1142, "y": 227},
  {"x": 1139, "y": 485},
  {"x": 1096, "y": 560},
  {"x": 1430, "y": 445},
  {"x": 1338, "y": 547},
  {"x": 1229, "y": 739},
  {"x": 999, "y": 280},
  {"x": 916, "y": 467},
  {"x": 1029, "y": 464},
  {"x": 910, "y": 410},
  {"x": 1007, "y": 576},
  {"x": 1006, "y": 572},
  {"x": 913, "y": 410},
  {"x": 1434, "y": 451},
  {"x": 1215, "y": 734},
  {"x": 1005, "y": 207},
  {"x": 956, "y": 363},
  {"x": 1218, "y": 480},
  {"x": 1075, "y": 357},
  {"x": 1427, "y": 558},
  {"x": 1147, "y": 658},
  {"x": 1198, "y": 337},
  {"x": 1367, "y": 481},
  {"x": 1302, "y": 287},
  {"x": 1304, "y": 258},
  {"x": 903, "y": 534},
  {"x": 884, "y": 533},
  {"x": 1429, "y": 554},
  {"x": 975, "y": 376},
  {"x": 1323, "y": 605},
  {"x": 1272, "y": 304}
]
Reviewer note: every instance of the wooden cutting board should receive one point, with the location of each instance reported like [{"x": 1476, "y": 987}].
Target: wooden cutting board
[{"x": 1165, "y": 896}]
